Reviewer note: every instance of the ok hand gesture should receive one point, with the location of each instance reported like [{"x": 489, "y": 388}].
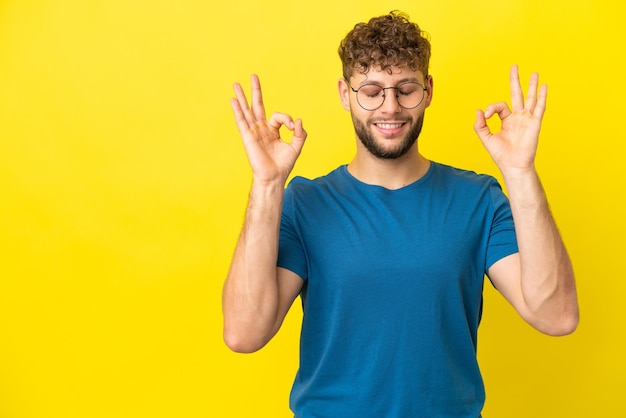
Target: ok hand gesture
[
  {"x": 271, "y": 158},
  {"x": 515, "y": 146}
]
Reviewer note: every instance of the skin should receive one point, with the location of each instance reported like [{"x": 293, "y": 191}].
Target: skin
[
  {"x": 538, "y": 281},
  {"x": 366, "y": 127},
  {"x": 257, "y": 294},
  {"x": 367, "y": 167}
]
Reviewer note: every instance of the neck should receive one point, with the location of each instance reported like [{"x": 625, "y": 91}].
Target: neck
[{"x": 393, "y": 173}]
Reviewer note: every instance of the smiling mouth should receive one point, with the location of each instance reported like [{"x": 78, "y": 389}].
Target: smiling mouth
[{"x": 389, "y": 125}]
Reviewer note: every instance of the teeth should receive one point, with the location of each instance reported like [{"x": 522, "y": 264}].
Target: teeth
[{"x": 389, "y": 125}]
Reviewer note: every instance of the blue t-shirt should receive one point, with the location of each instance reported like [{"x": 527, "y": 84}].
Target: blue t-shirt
[{"x": 392, "y": 293}]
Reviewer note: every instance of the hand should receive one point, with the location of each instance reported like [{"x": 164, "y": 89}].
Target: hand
[
  {"x": 270, "y": 157},
  {"x": 515, "y": 146}
]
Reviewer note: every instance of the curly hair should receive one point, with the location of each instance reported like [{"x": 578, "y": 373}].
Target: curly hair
[{"x": 384, "y": 42}]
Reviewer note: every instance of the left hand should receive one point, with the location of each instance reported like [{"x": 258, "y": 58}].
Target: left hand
[{"x": 515, "y": 146}]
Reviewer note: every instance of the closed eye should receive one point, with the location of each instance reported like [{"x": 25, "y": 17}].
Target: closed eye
[{"x": 371, "y": 91}]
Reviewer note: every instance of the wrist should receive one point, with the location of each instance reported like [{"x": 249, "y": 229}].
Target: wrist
[
  {"x": 524, "y": 188},
  {"x": 268, "y": 185},
  {"x": 267, "y": 190},
  {"x": 516, "y": 174}
]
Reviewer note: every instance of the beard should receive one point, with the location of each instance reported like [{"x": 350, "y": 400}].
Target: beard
[{"x": 366, "y": 137}]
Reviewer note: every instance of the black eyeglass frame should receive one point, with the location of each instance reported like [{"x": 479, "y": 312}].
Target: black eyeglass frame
[{"x": 396, "y": 88}]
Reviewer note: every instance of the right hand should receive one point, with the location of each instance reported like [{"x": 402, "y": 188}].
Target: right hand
[{"x": 271, "y": 158}]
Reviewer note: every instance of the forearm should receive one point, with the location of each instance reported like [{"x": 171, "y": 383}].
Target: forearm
[
  {"x": 250, "y": 294},
  {"x": 546, "y": 274}
]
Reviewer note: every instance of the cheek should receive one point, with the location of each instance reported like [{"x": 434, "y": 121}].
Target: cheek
[{"x": 360, "y": 115}]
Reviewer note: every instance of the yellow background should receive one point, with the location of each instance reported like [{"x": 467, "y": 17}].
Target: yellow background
[{"x": 123, "y": 184}]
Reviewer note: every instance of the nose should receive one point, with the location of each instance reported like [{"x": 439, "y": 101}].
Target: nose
[{"x": 390, "y": 101}]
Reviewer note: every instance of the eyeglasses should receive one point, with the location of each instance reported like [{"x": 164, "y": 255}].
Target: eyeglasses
[{"x": 371, "y": 96}]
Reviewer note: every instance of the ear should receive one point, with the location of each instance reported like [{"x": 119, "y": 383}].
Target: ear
[
  {"x": 429, "y": 92},
  {"x": 344, "y": 93}
]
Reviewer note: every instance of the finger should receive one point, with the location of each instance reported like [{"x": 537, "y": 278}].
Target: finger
[
  {"x": 299, "y": 136},
  {"x": 480, "y": 126},
  {"x": 531, "y": 95},
  {"x": 517, "y": 98},
  {"x": 240, "y": 119},
  {"x": 279, "y": 119},
  {"x": 243, "y": 104},
  {"x": 501, "y": 109},
  {"x": 257, "y": 98},
  {"x": 542, "y": 98}
]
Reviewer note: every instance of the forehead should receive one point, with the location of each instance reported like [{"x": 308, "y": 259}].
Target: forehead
[{"x": 390, "y": 76}]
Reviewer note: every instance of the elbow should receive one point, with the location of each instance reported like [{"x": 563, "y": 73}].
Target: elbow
[
  {"x": 241, "y": 347},
  {"x": 565, "y": 326},
  {"x": 241, "y": 343},
  {"x": 246, "y": 333},
  {"x": 562, "y": 326},
  {"x": 557, "y": 315}
]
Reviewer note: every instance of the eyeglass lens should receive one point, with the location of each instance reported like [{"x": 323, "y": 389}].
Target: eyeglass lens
[{"x": 372, "y": 96}]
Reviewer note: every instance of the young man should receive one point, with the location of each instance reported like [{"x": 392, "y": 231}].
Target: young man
[{"x": 390, "y": 251}]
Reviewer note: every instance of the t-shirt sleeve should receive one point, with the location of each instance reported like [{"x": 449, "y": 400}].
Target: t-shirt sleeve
[
  {"x": 291, "y": 253},
  {"x": 502, "y": 239}
]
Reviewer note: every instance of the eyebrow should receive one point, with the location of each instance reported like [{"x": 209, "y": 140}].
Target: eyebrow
[{"x": 377, "y": 83}]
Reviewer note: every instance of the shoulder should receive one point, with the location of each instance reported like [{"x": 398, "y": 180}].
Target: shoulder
[
  {"x": 462, "y": 176},
  {"x": 315, "y": 198},
  {"x": 462, "y": 179},
  {"x": 299, "y": 186}
]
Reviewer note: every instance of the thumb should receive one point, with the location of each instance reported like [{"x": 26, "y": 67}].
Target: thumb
[
  {"x": 480, "y": 126},
  {"x": 299, "y": 136}
]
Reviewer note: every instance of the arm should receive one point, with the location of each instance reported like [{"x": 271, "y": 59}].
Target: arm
[
  {"x": 256, "y": 294},
  {"x": 539, "y": 280}
]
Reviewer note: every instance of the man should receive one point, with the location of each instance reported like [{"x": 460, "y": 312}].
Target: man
[{"x": 390, "y": 251}]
